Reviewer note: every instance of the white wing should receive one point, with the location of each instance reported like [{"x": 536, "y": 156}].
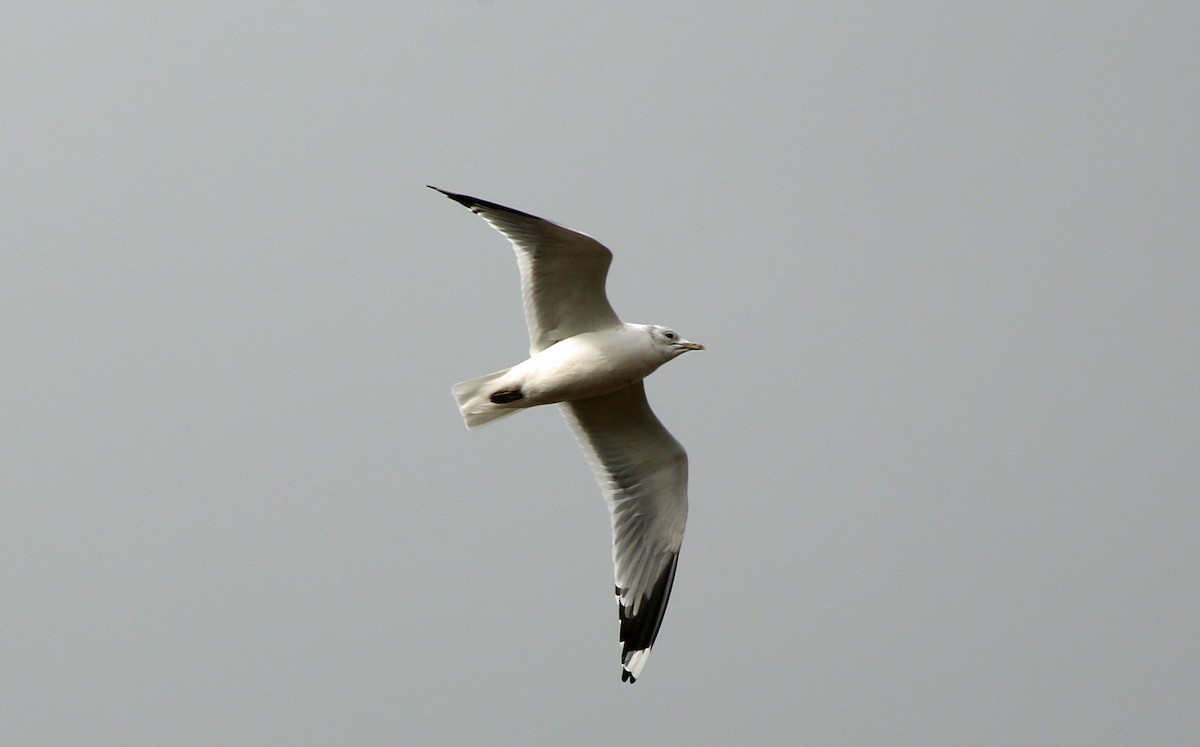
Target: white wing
[
  {"x": 562, "y": 273},
  {"x": 643, "y": 472}
]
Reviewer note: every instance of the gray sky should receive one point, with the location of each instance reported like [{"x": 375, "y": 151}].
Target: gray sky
[{"x": 945, "y": 258}]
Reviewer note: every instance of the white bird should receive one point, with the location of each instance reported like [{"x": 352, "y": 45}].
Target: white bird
[{"x": 589, "y": 362}]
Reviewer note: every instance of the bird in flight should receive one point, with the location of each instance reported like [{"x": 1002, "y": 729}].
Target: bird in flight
[{"x": 583, "y": 358}]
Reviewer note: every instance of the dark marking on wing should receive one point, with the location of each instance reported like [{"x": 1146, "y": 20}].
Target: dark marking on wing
[{"x": 505, "y": 396}]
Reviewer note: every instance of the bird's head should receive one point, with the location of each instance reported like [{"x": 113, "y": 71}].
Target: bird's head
[{"x": 670, "y": 341}]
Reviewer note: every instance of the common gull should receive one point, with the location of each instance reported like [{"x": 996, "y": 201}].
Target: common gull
[{"x": 585, "y": 359}]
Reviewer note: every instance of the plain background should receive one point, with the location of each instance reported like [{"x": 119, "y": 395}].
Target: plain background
[{"x": 945, "y": 258}]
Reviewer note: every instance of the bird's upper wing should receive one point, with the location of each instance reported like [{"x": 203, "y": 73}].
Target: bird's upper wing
[
  {"x": 562, "y": 273},
  {"x": 643, "y": 472}
]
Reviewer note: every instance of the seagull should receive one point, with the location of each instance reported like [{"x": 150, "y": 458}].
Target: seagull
[{"x": 585, "y": 359}]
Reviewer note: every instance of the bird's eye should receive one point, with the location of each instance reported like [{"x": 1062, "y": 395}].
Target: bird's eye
[{"x": 669, "y": 335}]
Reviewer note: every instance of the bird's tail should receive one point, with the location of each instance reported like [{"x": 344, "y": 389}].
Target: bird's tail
[{"x": 479, "y": 404}]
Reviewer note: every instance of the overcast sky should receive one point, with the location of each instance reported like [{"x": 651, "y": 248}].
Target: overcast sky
[{"x": 944, "y": 440}]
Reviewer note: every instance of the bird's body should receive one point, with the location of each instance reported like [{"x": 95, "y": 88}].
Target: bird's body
[
  {"x": 584, "y": 365},
  {"x": 589, "y": 362}
]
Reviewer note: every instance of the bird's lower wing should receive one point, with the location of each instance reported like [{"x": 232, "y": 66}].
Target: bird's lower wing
[{"x": 642, "y": 471}]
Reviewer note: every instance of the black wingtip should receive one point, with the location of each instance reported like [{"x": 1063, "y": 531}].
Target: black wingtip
[
  {"x": 627, "y": 677},
  {"x": 476, "y": 205},
  {"x": 463, "y": 200},
  {"x": 639, "y": 632}
]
